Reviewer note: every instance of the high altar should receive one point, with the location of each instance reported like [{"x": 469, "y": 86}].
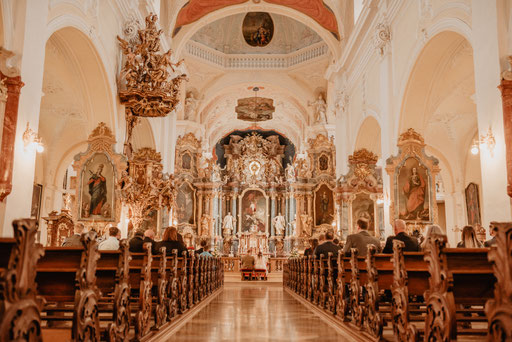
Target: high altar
[{"x": 255, "y": 193}]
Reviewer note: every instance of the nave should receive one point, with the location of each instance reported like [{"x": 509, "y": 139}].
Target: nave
[{"x": 256, "y": 312}]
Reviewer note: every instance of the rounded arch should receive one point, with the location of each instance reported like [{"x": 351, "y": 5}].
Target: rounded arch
[
  {"x": 369, "y": 136},
  {"x": 188, "y": 31},
  {"x": 143, "y": 135}
]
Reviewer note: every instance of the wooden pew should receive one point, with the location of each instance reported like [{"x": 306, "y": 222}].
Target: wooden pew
[
  {"x": 66, "y": 278},
  {"x": 20, "y": 306},
  {"x": 141, "y": 290},
  {"x": 499, "y": 309}
]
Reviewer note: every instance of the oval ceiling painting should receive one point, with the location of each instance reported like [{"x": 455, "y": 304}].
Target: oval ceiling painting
[{"x": 258, "y": 28}]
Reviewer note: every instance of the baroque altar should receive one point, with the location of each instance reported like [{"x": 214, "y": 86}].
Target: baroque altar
[{"x": 254, "y": 193}]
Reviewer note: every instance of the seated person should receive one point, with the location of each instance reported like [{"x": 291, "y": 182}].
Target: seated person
[
  {"x": 411, "y": 244},
  {"x": 170, "y": 242},
  {"x": 260, "y": 262},
  {"x": 203, "y": 244},
  {"x": 248, "y": 262},
  {"x": 493, "y": 231},
  {"x": 140, "y": 237},
  {"x": 313, "y": 243},
  {"x": 112, "y": 242},
  {"x": 327, "y": 246},
  {"x": 206, "y": 251},
  {"x": 74, "y": 240},
  {"x": 361, "y": 240}
]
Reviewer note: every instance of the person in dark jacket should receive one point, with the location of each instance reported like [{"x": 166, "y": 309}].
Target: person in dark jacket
[
  {"x": 170, "y": 241},
  {"x": 327, "y": 246},
  {"x": 140, "y": 237},
  {"x": 411, "y": 244}
]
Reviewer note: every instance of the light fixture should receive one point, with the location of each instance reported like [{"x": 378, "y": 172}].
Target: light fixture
[
  {"x": 487, "y": 139},
  {"x": 474, "y": 148},
  {"x": 32, "y": 140}
]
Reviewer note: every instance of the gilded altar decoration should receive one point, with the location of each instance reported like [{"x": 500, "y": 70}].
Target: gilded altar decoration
[
  {"x": 413, "y": 175},
  {"x": 254, "y": 159},
  {"x": 145, "y": 188},
  {"x": 324, "y": 205},
  {"x": 149, "y": 84},
  {"x": 98, "y": 169},
  {"x": 188, "y": 156},
  {"x": 59, "y": 227},
  {"x": 360, "y": 193},
  {"x": 322, "y": 154}
]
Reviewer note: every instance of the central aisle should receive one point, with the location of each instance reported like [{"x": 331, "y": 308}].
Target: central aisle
[{"x": 256, "y": 312}]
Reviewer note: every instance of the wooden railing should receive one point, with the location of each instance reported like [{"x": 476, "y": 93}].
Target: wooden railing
[{"x": 232, "y": 264}]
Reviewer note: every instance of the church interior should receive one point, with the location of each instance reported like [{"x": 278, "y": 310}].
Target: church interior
[{"x": 255, "y": 170}]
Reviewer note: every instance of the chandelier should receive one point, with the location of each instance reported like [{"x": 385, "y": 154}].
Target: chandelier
[{"x": 255, "y": 108}]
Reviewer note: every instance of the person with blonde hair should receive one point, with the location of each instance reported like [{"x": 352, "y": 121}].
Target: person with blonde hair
[
  {"x": 468, "y": 238},
  {"x": 432, "y": 229}
]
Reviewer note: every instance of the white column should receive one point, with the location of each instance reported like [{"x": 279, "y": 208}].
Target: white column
[
  {"x": 387, "y": 136},
  {"x": 18, "y": 203},
  {"x": 486, "y": 52},
  {"x": 171, "y": 143}
]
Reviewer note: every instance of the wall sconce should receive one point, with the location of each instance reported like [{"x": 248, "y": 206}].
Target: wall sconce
[
  {"x": 487, "y": 139},
  {"x": 32, "y": 139}
]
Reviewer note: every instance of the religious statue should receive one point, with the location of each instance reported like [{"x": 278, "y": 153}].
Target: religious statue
[
  {"x": 205, "y": 225},
  {"x": 215, "y": 175},
  {"x": 191, "y": 103},
  {"x": 228, "y": 242},
  {"x": 228, "y": 224},
  {"x": 307, "y": 225},
  {"x": 320, "y": 107},
  {"x": 279, "y": 224},
  {"x": 293, "y": 226},
  {"x": 66, "y": 199},
  {"x": 290, "y": 174},
  {"x": 279, "y": 246}
]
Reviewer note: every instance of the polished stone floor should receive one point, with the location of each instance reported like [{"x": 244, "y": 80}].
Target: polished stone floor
[{"x": 255, "y": 312}]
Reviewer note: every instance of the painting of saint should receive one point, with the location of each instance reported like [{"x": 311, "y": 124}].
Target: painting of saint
[
  {"x": 323, "y": 162},
  {"x": 185, "y": 204},
  {"x": 35, "y": 209},
  {"x": 324, "y": 205},
  {"x": 413, "y": 187},
  {"x": 363, "y": 209},
  {"x": 473, "y": 204},
  {"x": 254, "y": 211},
  {"x": 97, "y": 189},
  {"x": 258, "y": 29},
  {"x": 186, "y": 161}
]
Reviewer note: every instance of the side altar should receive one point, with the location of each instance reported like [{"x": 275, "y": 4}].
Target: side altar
[{"x": 254, "y": 193}]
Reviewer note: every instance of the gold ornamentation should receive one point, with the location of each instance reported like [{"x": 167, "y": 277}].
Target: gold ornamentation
[
  {"x": 144, "y": 187},
  {"x": 101, "y": 140},
  {"x": 411, "y": 136},
  {"x": 363, "y": 156},
  {"x": 150, "y": 91}
]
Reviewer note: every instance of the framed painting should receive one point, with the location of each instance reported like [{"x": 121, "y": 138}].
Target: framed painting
[
  {"x": 185, "y": 204},
  {"x": 97, "y": 195},
  {"x": 258, "y": 29},
  {"x": 37, "y": 194},
  {"x": 414, "y": 200},
  {"x": 363, "y": 208},
  {"x": 473, "y": 204},
  {"x": 324, "y": 205},
  {"x": 253, "y": 211}
]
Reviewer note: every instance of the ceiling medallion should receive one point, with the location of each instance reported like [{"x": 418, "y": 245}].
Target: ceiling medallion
[
  {"x": 258, "y": 29},
  {"x": 255, "y": 108}
]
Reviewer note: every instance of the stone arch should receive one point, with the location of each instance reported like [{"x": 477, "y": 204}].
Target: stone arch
[
  {"x": 76, "y": 97},
  {"x": 188, "y": 31},
  {"x": 369, "y": 136}
]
